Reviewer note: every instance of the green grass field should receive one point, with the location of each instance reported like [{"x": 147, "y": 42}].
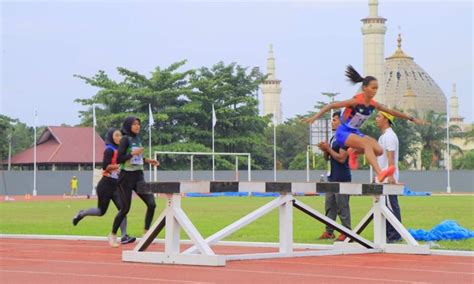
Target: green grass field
[{"x": 211, "y": 214}]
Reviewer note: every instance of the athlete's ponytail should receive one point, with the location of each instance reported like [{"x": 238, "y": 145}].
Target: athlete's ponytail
[{"x": 354, "y": 77}]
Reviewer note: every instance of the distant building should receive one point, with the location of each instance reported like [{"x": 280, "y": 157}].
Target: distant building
[
  {"x": 405, "y": 85},
  {"x": 61, "y": 148},
  {"x": 271, "y": 90}
]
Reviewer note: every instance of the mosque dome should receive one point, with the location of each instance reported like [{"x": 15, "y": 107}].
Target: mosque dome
[{"x": 409, "y": 87}]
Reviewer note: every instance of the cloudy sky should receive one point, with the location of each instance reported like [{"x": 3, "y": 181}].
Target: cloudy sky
[{"x": 44, "y": 43}]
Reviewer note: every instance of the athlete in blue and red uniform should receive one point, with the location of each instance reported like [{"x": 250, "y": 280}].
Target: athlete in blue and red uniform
[
  {"x": 357, "y": 111},
  {"x": 107, "y": 187}
]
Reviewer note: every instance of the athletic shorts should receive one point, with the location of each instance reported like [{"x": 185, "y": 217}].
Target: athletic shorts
[{"x": 344, "y": 131}]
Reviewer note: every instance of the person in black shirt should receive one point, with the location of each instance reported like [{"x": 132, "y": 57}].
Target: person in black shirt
[
  {"x": 107, "y": 187},
  {"x": 336, "y": 204},
  {"x": 131, "y": 160}
]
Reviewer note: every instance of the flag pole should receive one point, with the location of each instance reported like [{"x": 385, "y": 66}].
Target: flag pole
[
  {"x": 213, "y": 158},
  {"x": 34, "y": 156},
  {"x": 274, "y": 149},
  {"x": 448, "y": 154},
  {"x": 94, "y": 122},
  {"x": 151, "y": 122}
]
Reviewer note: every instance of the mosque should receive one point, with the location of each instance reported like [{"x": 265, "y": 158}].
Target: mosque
[{"x": 406, "y": 86}]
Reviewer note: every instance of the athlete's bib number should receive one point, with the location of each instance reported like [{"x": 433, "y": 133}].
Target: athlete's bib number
[
  {"x": 357, "y": 120},
  {"x": 136, "y": 159},
  {"x": 114, "y": 174}
]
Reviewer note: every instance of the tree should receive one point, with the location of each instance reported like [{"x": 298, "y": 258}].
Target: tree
[
  {"x": 232, "y": 89},
  {"x": 292, "y": 139},
  {"x": 464, "y": 162},
  {"x": 20, "y": 134},
  {"x": 407, "y": 137},
  {"x": 469, "y": 135},
  {"x": 181, "y": 104},
  {"x": 299, "y": 162},
  {"x": 433, "y": 139}
]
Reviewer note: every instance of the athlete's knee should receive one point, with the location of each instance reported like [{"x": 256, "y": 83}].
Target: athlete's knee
[{"x": 152, "y": 205}]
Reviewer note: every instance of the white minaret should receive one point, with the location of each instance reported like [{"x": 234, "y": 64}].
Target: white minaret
[
  {"x": 454, "y": 116},
  {"x": 373, "y": 31},
  {"x": 271, "y": 90}
]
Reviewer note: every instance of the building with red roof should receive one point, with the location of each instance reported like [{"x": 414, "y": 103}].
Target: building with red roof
[{"x": 62, "y": 148}]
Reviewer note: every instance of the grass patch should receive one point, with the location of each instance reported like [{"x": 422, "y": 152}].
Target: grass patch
[{"x": 211, "y": 214}]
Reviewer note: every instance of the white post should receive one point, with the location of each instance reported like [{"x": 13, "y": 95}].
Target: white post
[
  {"x": 286, "y": 226},
  {"x": 274, "y": 151},
  {"x": 34, "y": 157},
  {"x": 236, "y": 168},
  {"x": 192, "y": 167},
  {"x": 249, "y": 168},
  {"x": 149, "y": 147},
  {"x": 172, "y": 232},
  {"x": 93, "y": 148},
  {"x": 213, "y": 158},
  {"x": 448, "y": 154},
  {"x": 380, "y": 229},
  {"x": 9, "y": 152},
  {"x": 151, "y": 122},
  {"x": 155, "y": 171}
]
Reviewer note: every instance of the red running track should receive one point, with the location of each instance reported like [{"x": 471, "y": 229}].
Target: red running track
[{"x": 52, "y": 261}]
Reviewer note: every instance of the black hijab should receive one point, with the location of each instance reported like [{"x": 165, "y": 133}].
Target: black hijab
[
  {"x": 127, "y": 126},
  {"x": 109, "y": 137}
]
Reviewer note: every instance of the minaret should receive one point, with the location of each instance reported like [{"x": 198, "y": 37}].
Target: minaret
[
  {"x": 271, "y": 90},
  {"x": 454, "y": 116},
  {"x": 373, "y": 31}
]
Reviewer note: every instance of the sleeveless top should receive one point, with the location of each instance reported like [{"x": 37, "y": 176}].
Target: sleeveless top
[
  {"x": 354, "y": 117},
  {"x": 113, "y": 174}
]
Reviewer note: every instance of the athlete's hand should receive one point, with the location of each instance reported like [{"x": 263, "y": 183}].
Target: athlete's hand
[
  {"x": 419, "y": 121},
  {"x": 391, "y": 180},
  {"x": 308, "y": 120},
  {"x": 111, "y": 168},
  {"x": 138, "y": 151},
  {"x": 323, "y": 146},
  {"x": 154, "y": 163}
]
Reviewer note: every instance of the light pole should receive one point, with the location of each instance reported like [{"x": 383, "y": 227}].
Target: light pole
[
  {"x": 448, "y": 154},
  {"x": 9, "y": 151}
]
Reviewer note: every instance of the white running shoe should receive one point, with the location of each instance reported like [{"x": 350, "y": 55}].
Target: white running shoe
[{"x": 113, "y": 241}]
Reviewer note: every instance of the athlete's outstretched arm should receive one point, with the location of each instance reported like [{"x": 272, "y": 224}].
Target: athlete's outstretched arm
[
  {"x": 326, "y": 108},
  {"x": 398, "y": 113}
]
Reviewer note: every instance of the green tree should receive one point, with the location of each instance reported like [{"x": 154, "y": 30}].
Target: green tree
[
  {"x": 20, "y": 134},
  {"x": 292, "y": 139},
  {"x": 316, "y": 162},
  {"x": 464, "y": 162},
  {"x": 181, "y": 104},
  {"x": 232, "y": 89},
  {"x": 433, "y": 139},
  {"x": 406, "y": 133}
]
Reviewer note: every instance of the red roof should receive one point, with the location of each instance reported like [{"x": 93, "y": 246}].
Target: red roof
[{"x": 63, "y": 145}]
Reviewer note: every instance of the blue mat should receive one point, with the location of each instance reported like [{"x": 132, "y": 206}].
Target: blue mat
[
  {"x": 216, "y": 194},
  {"x": 265, "y": 194},
  {"x": 408, "y": 192},
  {"x": 446, "y": 230}
]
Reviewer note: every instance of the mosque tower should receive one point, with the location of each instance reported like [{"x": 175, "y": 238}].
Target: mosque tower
[
  {"x": 271, "y": 90},
  {"x": 373, "y": 31}
]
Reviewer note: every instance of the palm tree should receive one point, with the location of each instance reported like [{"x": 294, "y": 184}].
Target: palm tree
[
  {"x": 433, "y": 139},
  {"x": 469, "y": 135}
]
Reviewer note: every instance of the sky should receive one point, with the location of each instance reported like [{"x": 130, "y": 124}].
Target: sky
[{"x": 44, "y": 43}]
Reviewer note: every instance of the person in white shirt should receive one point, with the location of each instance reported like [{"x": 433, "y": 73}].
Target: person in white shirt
[{"x": 389, "y": 142}]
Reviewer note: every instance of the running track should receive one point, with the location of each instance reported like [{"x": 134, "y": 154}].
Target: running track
[{"x": 53, "y": 261}]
